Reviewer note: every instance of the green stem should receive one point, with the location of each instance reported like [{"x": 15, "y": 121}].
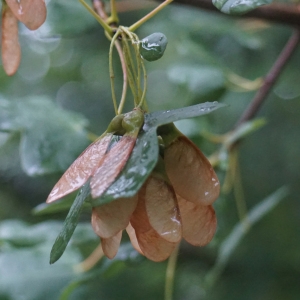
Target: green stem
[
  {"x": 114, "y": 14},
  {"x": 149, "y": 16},
  {"x": 131, "y": 80},
  {"x": 170, "y": 274},
  {"x": 128, "y": 49},
  {"x": 97, "y": 17},
  {"x": 111, "y": 71},
  {"x": 143, "y": 97},
  {"x": 125, "y": 78}
]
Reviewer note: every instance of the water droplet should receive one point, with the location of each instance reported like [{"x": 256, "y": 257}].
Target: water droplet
[{"x": 20, "y": 10}]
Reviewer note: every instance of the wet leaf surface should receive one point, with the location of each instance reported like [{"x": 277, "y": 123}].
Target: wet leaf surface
[
  {"x": 159, "y": 118},
  {"x": 69, "y": 225},
  {"x": 137, "y": 169},
  {"x": 238, "y": 7},
  {"x": 112, "y": 165}
]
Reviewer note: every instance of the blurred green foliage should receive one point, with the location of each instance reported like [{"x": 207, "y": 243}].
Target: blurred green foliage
[{"x": 63, "y": 81}]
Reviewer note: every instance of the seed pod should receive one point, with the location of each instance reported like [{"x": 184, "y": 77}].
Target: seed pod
[
  {"x": 133, "y": 239},
  {"x": 199, "y": 222},
  {"x": 11, "y": 50},
  {"x": 153, "y": 46},
  {"x": 110, "y": 218},
  {"x": 86, "y": 164},
  {"x": 30, "y": 12},
  {"x": 152, "y": 245},
  {"x": 116, "y": 158},
  {"x": 162, "y": 209},
  {"x": 111, "y": 245},
  {"x": 81, "y": 169},
  {"x": 189, "y": 171}
]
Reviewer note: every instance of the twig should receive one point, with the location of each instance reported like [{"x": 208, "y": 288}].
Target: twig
[
  {"x": 100, "y": 9},
  {"x": 271, "y": 78},
  {"x": 288, "y": 14}
]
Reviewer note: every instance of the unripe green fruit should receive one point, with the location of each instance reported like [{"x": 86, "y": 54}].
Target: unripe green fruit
[{"x": 153, "y": 46}]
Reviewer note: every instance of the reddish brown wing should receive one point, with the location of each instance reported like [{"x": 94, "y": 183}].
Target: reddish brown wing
[
  {"x": 162, "y": 209},
  {"x": 152, "y": 245},
  {"x": 109, "y": 219},
  {"x": 81, "y": 169},
  {"x": 199, "y": 222},
  {"x": 112, "y": 165},
  {"x": 30, "y": 12},
  {"x": 190, "y": 173},
  {"x": 11, "y": 51},
  {"x": 133, "y": 239},
  {"x": 111, "y": 245}
]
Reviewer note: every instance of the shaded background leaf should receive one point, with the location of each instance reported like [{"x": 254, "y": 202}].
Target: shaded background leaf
[{"x": 44, "y": 128}]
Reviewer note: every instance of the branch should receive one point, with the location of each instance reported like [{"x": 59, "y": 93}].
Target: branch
[
  {"x": 271, "y": 78},
  {"x": 288, "y": 14}
]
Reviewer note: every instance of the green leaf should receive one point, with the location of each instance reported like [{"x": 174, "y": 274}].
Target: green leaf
[
  {"x": 238, "y": 7},
  {"x": 159, "y": 118},
  {"x": 51, "y": 138},
  {"x": 137, "y": 169},
  {"x": 230, "y": 244},
  {"x": 26, "y": 248},
  {"x": 69, "y": 225},
  {"x": 55, "y": 207}
]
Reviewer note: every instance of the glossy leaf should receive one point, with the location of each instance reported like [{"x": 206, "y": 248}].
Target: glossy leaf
[
  {"x": 112, "y": 165},
  {"x": 11, "y": 50},
  {"x": 159, "y": 118},
  {"x": 238, "y": 7},
  {"x": 69, "y": 225},
  {"x": 58, "y": 206},
  {"x": 81, "y": 169},
  {"x": 162, "y": 209},
  {"x": 137, "y": 169},
  {"x": 30, "y": 12},
  {"x": 61, "y": 130},
  {"x": 199, "y": 222},
  {"x": 110, "y": 218}
]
